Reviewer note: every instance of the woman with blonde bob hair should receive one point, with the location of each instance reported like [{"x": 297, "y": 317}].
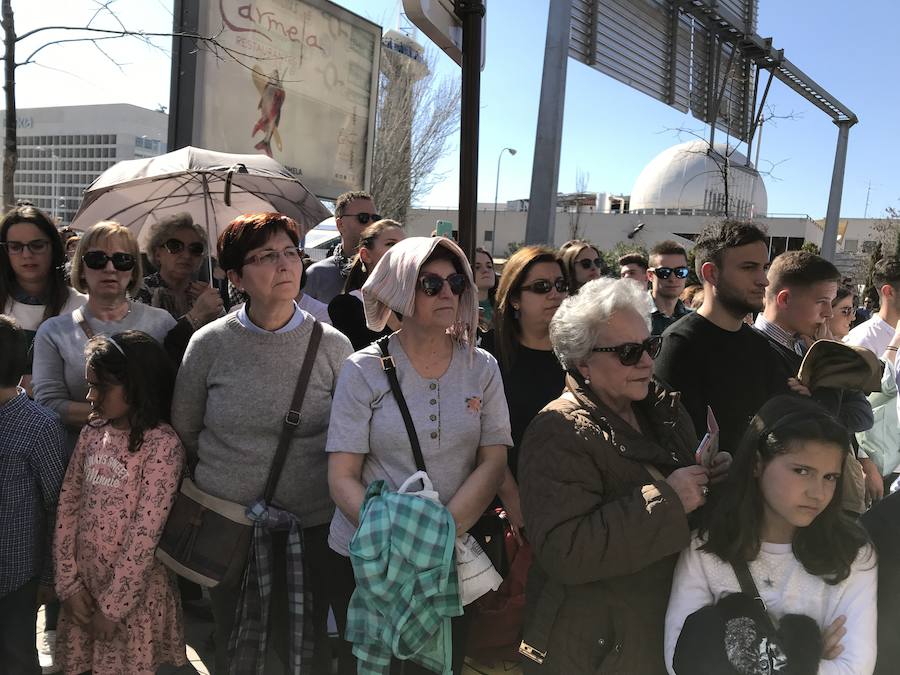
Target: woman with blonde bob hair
[
  {"x": 107, "y": 267},
  {"x": 453, "y": 390},
  {"x": 607, "y": 477}
]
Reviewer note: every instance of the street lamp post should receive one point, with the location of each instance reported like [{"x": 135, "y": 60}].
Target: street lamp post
[{"x": 512, "y": 151}]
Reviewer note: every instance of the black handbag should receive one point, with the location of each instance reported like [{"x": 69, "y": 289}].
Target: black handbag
[
  {"x": 206, "y": 539},
  {"x": 737, "y": 636}
]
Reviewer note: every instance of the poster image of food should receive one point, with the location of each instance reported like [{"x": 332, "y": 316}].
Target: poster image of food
[{"x": 293, "y": 79}]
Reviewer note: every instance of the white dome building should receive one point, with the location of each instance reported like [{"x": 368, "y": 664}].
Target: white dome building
[{"x": 688, "y": 179}]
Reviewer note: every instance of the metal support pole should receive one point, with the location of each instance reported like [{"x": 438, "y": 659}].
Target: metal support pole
[
  {"x": 471, "y": 13},
  {"x": 541, "y": 224},
  {"x": 829, "y": 238},
  {"x": 496, "y": 193}
]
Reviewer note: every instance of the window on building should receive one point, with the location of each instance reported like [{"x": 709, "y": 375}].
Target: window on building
[{"x": 851, "y": 245}]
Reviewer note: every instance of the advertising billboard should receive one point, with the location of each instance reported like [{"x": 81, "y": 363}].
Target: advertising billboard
[{"x": 294, "y": 79}]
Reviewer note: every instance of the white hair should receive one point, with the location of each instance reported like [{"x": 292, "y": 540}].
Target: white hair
[{"x": 577, "y": 324}]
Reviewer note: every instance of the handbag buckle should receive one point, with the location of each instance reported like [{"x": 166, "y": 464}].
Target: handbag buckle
[
  {"x": 292, "y": 418},
  {"x": 532, "y": 653},
  {"x": 387, "y": 363}
]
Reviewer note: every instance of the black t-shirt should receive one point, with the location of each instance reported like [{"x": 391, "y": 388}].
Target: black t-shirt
[
  {"x": 732, "y": 371},
  {"x": 535, "y": 379}
]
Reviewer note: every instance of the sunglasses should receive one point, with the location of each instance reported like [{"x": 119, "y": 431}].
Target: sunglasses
[
  {"x": 542, "y": 286},
  {"x": 666, "y": 272},
  {"x": 587, "y": 263},
  {"x": 431, "y": 284},
  {"x": 363, "y": 218},
  {"x": 96, "y": 260},
  {"x": 35, "y": 246},
  {"x": 630, "y": 353},
  {"x": 176, "y": 246}
]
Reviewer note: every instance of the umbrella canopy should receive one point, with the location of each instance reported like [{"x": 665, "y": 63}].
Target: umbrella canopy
[{"x": 214, "y": 187}]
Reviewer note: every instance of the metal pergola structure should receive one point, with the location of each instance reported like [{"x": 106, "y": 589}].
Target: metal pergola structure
[{"x": 720, "y": 26}]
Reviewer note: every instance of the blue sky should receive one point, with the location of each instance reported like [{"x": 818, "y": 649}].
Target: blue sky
[{"x": 610, "y": 131}]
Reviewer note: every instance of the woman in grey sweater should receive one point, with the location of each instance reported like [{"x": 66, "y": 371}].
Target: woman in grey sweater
[
  {"x": 106, "y": 266},
  {"x": 233, "y": 390}
]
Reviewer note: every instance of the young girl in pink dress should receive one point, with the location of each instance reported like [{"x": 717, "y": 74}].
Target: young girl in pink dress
[{"x": 120, "y": 609}]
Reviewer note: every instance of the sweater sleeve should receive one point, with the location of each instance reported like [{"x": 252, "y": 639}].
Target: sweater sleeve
[
  {"x": 68, "y": 583},
  {"x": 856, "y": 599},
  {"x": 585, "y": 537},
  {"x": 158, "y": 485},
  {"x": 189, "y": 399},
  {"x": 690, "y": 592},
  {"x": 49, "y": 375}
]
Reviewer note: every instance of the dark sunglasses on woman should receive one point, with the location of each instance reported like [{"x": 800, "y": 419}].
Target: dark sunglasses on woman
[
  {"x": 431, "y": 284},
  {"x": 363, "y": 218},
  {"x": 176, "y": 246},
  {"x": 587, "y": 263},
  {"x": 542, "y": 286},
  {"x": 630, "y": 352},
  {"x": 665, "y": 272},
  {"x": 96, "y": 260}
]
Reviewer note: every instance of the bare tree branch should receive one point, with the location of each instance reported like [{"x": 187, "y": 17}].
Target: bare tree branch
[{"x": 415, "y": 118}]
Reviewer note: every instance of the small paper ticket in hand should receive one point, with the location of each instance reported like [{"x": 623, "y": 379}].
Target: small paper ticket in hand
[{"x": 709, "y": 446}]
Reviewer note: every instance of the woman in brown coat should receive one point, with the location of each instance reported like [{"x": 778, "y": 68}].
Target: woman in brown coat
[{"x": 607, "y": 482}]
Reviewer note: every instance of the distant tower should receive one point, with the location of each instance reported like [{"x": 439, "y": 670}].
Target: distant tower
[{"x": 402, "y": 66}]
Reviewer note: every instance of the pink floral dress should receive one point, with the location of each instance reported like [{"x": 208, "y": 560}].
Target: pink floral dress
[{"x": 112, "y": 509}]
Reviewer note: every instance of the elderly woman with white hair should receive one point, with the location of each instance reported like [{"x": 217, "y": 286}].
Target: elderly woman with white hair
[
  {"x": 607, "y": 480},
  {"x": 178, "y": 248},
  {"x": 453, "y": 390}
]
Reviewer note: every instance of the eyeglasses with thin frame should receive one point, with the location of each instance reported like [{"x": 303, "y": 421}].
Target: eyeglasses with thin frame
[
  {"x": 588, "y": 263},
  {"x": 36, "y": 246},
  {"x": 270, "y": 258},
  {"x": 665, "y": 272},
  {"x": 176, "y": 246},
  {"x": 96, "y": 260},
  {"x": 848, "y": 311},
  {"x": 630, "y": 353},
  {"x": 544, "y": 286},
  {"x": 431, "y": 284},
  {"x": 363, "y": 218}
]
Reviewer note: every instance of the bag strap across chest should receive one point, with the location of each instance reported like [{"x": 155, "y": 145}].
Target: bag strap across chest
[
  {"x": 292, "y": 418},
  {"x": 390, "y": 369}
]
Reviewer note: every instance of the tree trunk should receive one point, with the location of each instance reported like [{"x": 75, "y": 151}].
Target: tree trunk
[{"x": 10, "y": 152}]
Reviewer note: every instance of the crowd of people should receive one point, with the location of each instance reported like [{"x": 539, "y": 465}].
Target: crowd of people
[{"x": 703, "y": 472}]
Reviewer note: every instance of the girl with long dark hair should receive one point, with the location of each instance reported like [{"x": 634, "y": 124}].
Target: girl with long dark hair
[
  {"x": 778, "y": 514},
  {"x": 120, "y": 608}
]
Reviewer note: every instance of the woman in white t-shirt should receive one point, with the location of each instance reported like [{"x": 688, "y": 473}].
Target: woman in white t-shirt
[
  {"x": 778, "y": 514},
  {"x": 33, "y": 284}
]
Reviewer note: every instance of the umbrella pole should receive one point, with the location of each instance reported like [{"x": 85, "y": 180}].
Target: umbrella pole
[{"x": 206, "y": 199}]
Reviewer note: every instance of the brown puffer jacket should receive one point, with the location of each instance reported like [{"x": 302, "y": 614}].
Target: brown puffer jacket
[{"x": 605, "y": 534}]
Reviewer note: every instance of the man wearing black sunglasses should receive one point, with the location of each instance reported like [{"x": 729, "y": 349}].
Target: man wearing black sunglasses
[
  {"x": 353, "y": 212},
  {"x": 667, "y": 274}
]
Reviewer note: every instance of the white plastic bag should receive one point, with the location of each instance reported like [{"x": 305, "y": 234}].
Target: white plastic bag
[
  {"x": 476, "y": 573},
  {"x": 474, "y": 569}
]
